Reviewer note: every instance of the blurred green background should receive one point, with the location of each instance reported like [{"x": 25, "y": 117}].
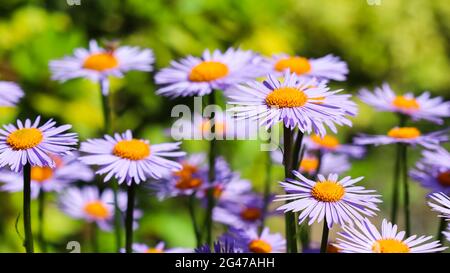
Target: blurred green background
[{"x": 403, "y": 42}]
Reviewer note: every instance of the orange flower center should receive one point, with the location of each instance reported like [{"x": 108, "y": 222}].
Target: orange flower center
[
  {"x": 219, "y": 127},
  {"x": 390, "y": 246},
  {"x": 332, "y": 249},
  {"x": 286, "y": 97},
  {"x": 25, "y": 138},
  {"x": 297, "y": 65},
  {"x": 309, "y": 164},
  {"x": 154, "y": 250},
  {"x": 208, "y": 71},
  {"x": 328, "y": 191},
  {"x": 406, "y": 103},
  {"x": 329, "y": 142},
  {"x": 41, "y": 174},
  {"x": 251, "y": 214},
  {"x": 259, "y": 246},
  {"x": 97, "y": 209},
  {"x": 101, "y": 61},
  {"x": 404, "y": 132},
  {"x": 217, "y": 191},
  {"x": 133, "y": 149},
  {"x": 444, "y": 178},
  {"x": 186, "y": 179}
]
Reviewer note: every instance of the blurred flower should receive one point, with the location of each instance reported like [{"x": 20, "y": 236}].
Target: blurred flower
[
  {"x": 97, "y": 63},
  {"x": 330, "y": 143},
  {"x": 68, "y": 169},
  {"x": 406, "y": 135},
  {"x": 250, "y": 241},
  {"x": 247, "y": 213},
  {"x": 438, "y": 157},
  {"x": 159, "y": 248},
  {"x": 10, "y": 93},
  {"x": 421, "y": 107},
  {"x": 31, "y": 143},
  {"x": 337, "y": 201},
  {"x": 363, "y": 237},
  {"x": 224, "y": 244},
  {"x": 193, "y": 76},
  {"x": 303, "y": 103},
  {"x": 128, "y": 159},
  {"x": 328, "y": 67},
  {"x": 431, "y": 177}
]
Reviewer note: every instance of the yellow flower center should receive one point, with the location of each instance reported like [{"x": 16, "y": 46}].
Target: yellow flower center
[
  {"x": 297, "y": 65},
  {"x": 404, "y": 132},
  {"x": 251, "y": 214},
  {"x": 186, "y": 179},
  {"x": 208, "y": 71},
  {"x": 219, "y": 127},
  {"x": 97, "y": 209},
  {"x": 444, "y": 178},
  {"x": 41, "y": 174},
  {"x": 329, "y": 142},
  {"x": 328, "y": 191},
  {"x": 133, "y": 149},
  {"x": 390, "y": 246},
  {"x": 405, "y": 103},
  {"x": 309, "y": 164},
  {"x": 101, "y": 61},
  {"x": 25, "y": 138},
  {"x": 154, "y": 250},
  {"x": 286, "y": 97},
  {"x": 259, "y": 246}
]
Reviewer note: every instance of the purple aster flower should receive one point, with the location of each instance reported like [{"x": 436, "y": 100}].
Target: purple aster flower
[
  {"x": 307, "y": 104},
  {"x": 10, "y": 93},
  {"x": 406, "y": 135},
  {"x": 225, "y": 244},
  {"x": 250, "y": 241},
  {"x": 128, "y": 159},
  {"x": 337, "y": 201},
  {"x": 30, "y": 143},
  {"x": 97, "y": 63},
  {"x": 328, "y": 67},
  {"x": 194, "y": 76},
  {"x": 441, "y": 205},
  {"x": 364, "y": 237},
  {"x": 248, "y": 213},
  {"x": 159, "y": 248},
  {"x": 330, "y": 143},
  {"x": 431, "y": 177},
  {"x": 437, "y": 157},
  {"x": 68, "y": 169},
  {"x": 421, "y": 107}
]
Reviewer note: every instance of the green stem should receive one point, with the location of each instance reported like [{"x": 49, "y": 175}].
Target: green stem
[
  {"x": 396, "y": 184},
  {"x": 290, "y": 221},
  {"x": 442, "y": 225},
  {"x": 267, "y": 182},
  {"x": 324, "y": 243},
  {"x": 117, "y": 216},
  {"x": 131, "y": 192},
  {"x": 194, "y": 219},
  {"x": 41, "y": 208},
  {"x": 406, "y": 190},
  {"x": 94, "y": 237},
  {"x": 28, "y": 242}
]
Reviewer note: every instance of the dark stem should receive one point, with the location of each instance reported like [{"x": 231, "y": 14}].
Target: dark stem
[
  {"x": 131, "y": 191},
  {"x": 267, "y": 182},
  {"x": 442, "y": 225},
  {"x": 406, "y": 191},
  {"x": 396, "y": 183},
  {"x": 324, "y": 243},
  {"x": 28, "y": 242},
  {"x": 191, "y": 207},
  {"x": 297, "y": 157},
  {"x": 41, "y": 216},
  {"x": 290, "y": 221},
  {"x": 117, "y": 217}
]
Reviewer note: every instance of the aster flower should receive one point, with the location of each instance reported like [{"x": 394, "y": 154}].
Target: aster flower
[
  {"x": 364, "y": 237},
  {"x": 328, "y": 67},
  {"x": 421, "y": 107},
  {"x": 307, "y": 104},
  {"x": 247, "y": 213},
  {"x": 330, "y": 143},
  {"x": 407, "y": 135},
  {"x": 10, "y": 93},
  {"x": 159, "y": 248},
  {"x": 128, "y": 159},
  {"x": 441, "y": 205},
  {"x": 437, "y": 157},
  {"x": 250, "y": 241},
  {"x": 193, "y": 76},
  {"x": 68, "y": 169},
  {"x": 337, "y": 201},
  {"x": 97, "y": 63},
  {"x": 224, "y": 244},
  {"x": 30, "y": 143},
  {"x": 431, "y": 177}
]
